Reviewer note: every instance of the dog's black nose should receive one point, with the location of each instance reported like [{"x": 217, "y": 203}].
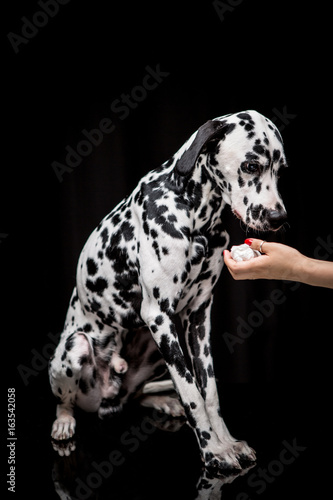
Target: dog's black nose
[{"x": 276, "y": 218}]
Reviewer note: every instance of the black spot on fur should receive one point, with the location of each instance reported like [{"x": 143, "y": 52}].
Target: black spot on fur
[
  {"x": 98, "y": 286},
  {"x": 83, "y": 386},
  {"x": 118, "y": 256},
  {"x": 69, "y": 342},
  {"x": 260, "y": 150},
  {"x": 95, "y": 306},
  {"x": 189, "y": 415},
  {"x": 276, "y": 155},
  {"x": 241, "y": 181},
  {"x": 210, "y": 371},
  {"x": 165, "y": 305},
  {"x": 183, "y": 276},
  {"x": 127, "y": 231},
  {"x": 173, "y": 356},
  {"x": 244, "y": 116},
  {"x": 105, "y": 236},
  {"x": 74, "y": 300},
  {"x": 85, "y": 358},
  {"x": 159, "y": 320}
]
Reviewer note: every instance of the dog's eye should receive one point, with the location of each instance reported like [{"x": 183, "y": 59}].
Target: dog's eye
[{"x": 251, "y": 168}]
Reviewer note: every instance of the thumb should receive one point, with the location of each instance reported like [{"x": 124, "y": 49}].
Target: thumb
[{"x": 255, "y": 244}]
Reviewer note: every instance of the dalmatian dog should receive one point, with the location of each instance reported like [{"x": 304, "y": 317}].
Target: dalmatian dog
[{"x": 149, "y": 269}]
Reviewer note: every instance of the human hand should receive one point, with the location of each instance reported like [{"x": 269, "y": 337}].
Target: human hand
[{"x": 276, "y": 262}]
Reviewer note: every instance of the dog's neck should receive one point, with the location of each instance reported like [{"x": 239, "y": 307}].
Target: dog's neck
[{"x": 204, "y": 198}]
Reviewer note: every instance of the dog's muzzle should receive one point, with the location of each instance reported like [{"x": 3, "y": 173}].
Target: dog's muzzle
[{"x": 276, "y": 218}]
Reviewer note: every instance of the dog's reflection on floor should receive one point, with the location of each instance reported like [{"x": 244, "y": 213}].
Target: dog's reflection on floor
[
  {"x": 210, "y": 488},
  {"x": 91, "y": 468}
]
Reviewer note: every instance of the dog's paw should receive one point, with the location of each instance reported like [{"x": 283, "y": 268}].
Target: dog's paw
[
  {"x": 118, "y": 364},
  {"x": 244, "y": 453},
  {"x": 121, "y": 366},
  {"x": 167, "y": 404},
  {"x": 64, "y": 448},
  {"x": 63, "y": 428},
  {"x": 224, "y": 463},
  {"x": 172, "y": 406}
]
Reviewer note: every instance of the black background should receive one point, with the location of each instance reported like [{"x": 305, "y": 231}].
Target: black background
[{"x": 268, "y": 56}]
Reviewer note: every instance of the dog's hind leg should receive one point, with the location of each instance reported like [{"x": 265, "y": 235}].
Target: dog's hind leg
[
  {"x": 168, "y": 404},
  {"x": 158, "y": 386},
  {"x": 145, "y": 364},
  {"x": 153, "y": 397},
  {"x": 65, "y": 369}
]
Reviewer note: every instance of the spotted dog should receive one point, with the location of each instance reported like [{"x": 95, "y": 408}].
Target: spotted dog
[{"x": 150, "y": 268}]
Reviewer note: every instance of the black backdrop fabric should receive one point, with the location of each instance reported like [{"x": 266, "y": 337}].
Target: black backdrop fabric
[{"x": 95, "y": 95}]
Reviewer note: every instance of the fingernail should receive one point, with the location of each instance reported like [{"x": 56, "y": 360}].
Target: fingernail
[{"x": 248, "y": 241}]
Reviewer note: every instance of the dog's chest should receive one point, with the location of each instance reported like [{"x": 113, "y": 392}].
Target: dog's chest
[
  {"x": 148, "y": 239},
  {"x": 199, "y": 279}
]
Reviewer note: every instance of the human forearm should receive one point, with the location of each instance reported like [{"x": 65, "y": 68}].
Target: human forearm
[{"x": 315, "y": 272}]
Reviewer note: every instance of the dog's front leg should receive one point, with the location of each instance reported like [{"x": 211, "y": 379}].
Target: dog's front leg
[
  {"x": 197, "y": 323},
  {"x": 64, "y": 426},
  {"x": 214, "y": 453}
]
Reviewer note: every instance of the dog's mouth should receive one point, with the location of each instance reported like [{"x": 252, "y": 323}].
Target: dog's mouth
[
  {"x": 247, "y": 224},
  {"x": 238, "y": 215},
  {"x": 265, "y": 220}
]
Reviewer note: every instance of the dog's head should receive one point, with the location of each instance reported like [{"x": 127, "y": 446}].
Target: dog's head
[{"x": 243, "y": 154}]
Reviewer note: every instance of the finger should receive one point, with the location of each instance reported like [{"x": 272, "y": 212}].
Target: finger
[
  {"x": 229, "y": 261},
  {"x": 255, "y": 244},
  {"x": 238, "y": 270},
  {"x": 227, "y": 257}
]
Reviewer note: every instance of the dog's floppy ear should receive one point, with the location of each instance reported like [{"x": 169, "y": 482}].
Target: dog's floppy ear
[{"x": 206, "y": 133}]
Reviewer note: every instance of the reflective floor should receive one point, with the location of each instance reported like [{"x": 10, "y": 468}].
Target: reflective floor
[{"x": 142, "y": 455}]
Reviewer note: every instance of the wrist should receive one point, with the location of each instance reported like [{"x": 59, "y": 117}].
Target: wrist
[{"x": 299, "y": 268}]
